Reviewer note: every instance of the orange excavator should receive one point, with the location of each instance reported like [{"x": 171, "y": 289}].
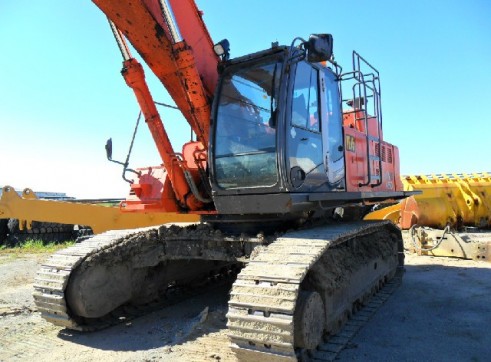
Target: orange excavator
[{"x": 283, "y": 168}]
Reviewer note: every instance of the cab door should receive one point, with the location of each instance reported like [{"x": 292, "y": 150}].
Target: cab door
[
  {"x": 332, "y": 130},
  {"x": 304, "y": 136}
]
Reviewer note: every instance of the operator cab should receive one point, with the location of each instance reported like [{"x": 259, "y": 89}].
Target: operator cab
[{"x": 277, "y": 140}]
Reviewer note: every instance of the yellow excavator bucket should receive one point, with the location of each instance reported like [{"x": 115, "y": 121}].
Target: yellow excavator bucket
[
  {"x": 448, "y": 199},
  {"x": 448, "y": 218}
]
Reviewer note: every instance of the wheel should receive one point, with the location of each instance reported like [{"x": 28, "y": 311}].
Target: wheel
[
  {"x": 44, "y": 231},
  {"x": 4, "y": 230},
  {"x": 13, "y": 226},
  {"x": 308, "y": 320},
  {"x": 81, "y": 233}
]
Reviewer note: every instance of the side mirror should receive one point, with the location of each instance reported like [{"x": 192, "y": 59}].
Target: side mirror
[
  {"x": 109, "y": 149},
  {"x": 319, "y": 48},
  {"x": 109, "y": 154}
]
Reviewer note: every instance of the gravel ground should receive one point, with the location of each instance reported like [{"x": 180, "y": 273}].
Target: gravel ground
[{"x": 441, "y": 312}]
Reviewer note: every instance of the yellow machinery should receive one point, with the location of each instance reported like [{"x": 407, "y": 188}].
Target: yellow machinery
[
  {"x": 449, "y": 217},
  {"x": 28, "y": 207}
]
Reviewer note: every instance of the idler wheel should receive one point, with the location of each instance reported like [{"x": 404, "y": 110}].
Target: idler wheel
[{"x": 308, "y": 320}]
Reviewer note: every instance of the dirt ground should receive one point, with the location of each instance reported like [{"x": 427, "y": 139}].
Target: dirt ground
[{"x": 441, "y": 312}]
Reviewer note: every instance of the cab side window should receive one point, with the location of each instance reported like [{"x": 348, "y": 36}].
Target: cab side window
[
  {"x": 305, "y": 138},
  {"x": 305, "y": 104}
]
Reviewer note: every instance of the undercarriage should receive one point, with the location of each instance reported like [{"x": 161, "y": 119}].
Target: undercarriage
[{"x": 294, "y": 289}]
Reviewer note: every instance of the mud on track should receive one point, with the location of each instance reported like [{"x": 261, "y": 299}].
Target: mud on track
[{"x": 441, "y": 312}]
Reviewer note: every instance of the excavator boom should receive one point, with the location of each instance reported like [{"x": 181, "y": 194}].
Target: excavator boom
[{"x": 186, "y": 67}]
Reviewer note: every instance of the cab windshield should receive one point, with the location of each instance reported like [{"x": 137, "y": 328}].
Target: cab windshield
[{"x": 245, "y": 135}]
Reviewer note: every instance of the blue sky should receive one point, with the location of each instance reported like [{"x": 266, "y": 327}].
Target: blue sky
[{"x": 62, "y": 96}]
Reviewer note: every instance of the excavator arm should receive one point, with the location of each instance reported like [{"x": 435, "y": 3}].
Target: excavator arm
[
  {"x": 178, "y": 49},
  {"x": 172, "y": 39}
]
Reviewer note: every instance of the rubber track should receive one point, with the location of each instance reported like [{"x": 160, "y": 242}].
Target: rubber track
[
  {"x": 263, "y": 298},
  {"x": 329, "y": 350},
  {"x": 52, "y": 278}
]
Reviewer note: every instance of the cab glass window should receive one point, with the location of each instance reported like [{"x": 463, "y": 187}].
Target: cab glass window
[{"x": 305, "y": 104}]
